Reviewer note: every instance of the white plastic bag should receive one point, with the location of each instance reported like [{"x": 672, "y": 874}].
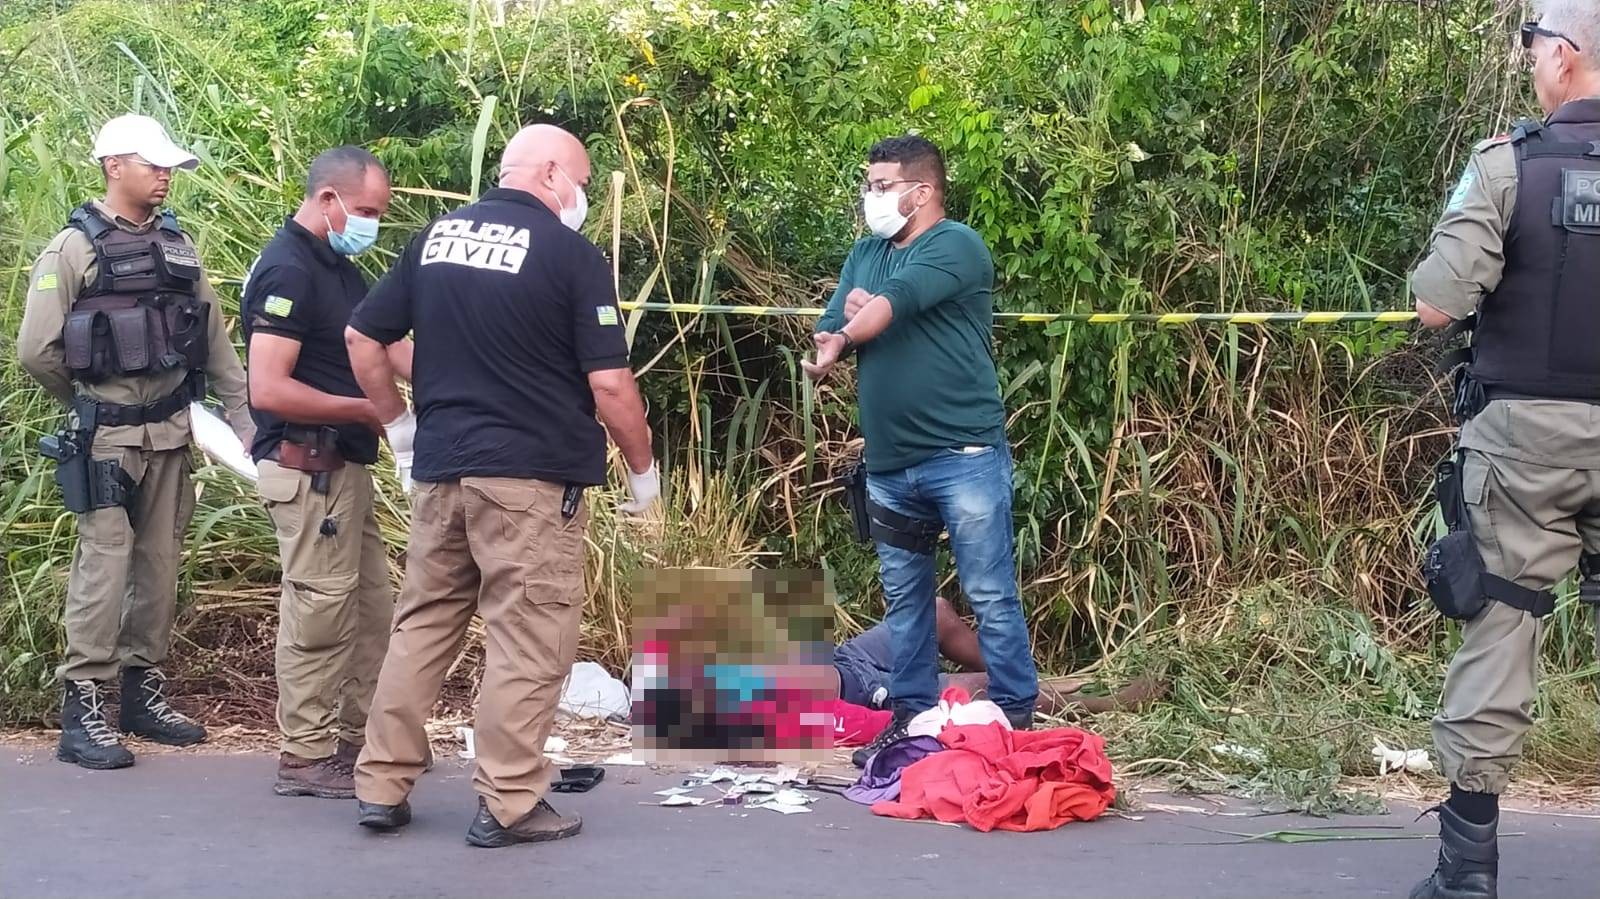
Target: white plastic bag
[
  {"x": 956, "y": 708},
  {"x": 1411, "y": 761},
  {"x": 591, "y": 692}
]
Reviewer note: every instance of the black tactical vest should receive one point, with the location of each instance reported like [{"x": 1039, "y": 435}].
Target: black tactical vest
[
  {"x": 141, "y": 315},
  {"x": 1538, "y": 333}
]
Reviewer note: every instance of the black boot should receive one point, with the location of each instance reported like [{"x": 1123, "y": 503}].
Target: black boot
[
  {"x": 1469, "y": 859},
  {"x": 378, "y": 816},
  {"x": 145, "y": 712},
  {"x": 895, "y": 731},
  {"x": 87, "y": 739}
]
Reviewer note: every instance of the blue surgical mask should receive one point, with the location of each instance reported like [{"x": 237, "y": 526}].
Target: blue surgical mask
[{"x": 359, "y": 234}]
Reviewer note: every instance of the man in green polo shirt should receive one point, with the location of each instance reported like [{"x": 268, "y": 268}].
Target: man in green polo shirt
[{"x": 915, "y": 301}]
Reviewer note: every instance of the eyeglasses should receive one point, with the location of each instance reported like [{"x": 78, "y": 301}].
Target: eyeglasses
[
  {"x": 1532, "y": 29},
  {"x": 158, "y": 169},
  {"x": 881, "y": 186}
]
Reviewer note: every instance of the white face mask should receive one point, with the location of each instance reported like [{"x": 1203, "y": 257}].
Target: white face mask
[
  {"x": 882, "y": 212},
  {"x": 573, "y": 218}
]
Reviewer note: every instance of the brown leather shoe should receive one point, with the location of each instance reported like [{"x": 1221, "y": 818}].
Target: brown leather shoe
[
  {"x": 324, "y": 778},
  {"x": 349, "y": 753},
  {"x": 541, "y": 825}
]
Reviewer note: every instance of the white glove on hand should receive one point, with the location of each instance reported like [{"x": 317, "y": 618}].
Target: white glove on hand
[
  {"x": 646, "y": 488},
  {"x": 402, "y": 467},
  {"x": 402, "y": 434}
]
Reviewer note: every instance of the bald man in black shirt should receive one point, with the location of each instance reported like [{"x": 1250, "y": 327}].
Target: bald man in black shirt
[{"x": 519, "y": 345}]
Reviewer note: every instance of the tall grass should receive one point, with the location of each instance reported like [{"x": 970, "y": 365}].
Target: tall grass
[{"x": 1237, "y": 509}]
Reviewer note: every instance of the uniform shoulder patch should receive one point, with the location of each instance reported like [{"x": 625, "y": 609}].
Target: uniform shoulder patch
[
  {"x": 605, "y": 315},
  {"x": 278, "y": 306},
  {"x": 47, "y": 281},
  {"x": 1463, "y": 187},
  {"x": 1488, "y": 142}
]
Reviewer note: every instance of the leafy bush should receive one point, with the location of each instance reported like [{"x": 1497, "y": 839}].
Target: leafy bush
[{"x": 1172, "y": 484}]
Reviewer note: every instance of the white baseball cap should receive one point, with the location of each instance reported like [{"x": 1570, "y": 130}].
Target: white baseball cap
[{"x": 142, "y": 136}]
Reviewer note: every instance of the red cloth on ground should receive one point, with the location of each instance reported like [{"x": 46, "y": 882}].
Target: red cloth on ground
[
  {"x": 855, "y": 725},
  {"x": 994, "y": 778}
]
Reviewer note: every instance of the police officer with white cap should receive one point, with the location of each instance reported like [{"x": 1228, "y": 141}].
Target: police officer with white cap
[{"x": 122, "y": 327}]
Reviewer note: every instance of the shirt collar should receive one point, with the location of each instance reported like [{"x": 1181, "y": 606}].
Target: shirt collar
[
  {"x": 1584, "y": 110},
  {"x": 318, "y": 246},
  {"x": 125, "y": 223},
  {"x": 512, "y": 195}
]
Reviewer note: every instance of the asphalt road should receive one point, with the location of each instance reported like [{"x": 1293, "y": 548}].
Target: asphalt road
[{"x": 208, "y": 825}]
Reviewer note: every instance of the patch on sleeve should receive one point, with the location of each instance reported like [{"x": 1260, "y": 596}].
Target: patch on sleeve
[
  {"x": 606, "y": 315},
  {"x": 47, "y": 281},
  {"x": 1468, "y": 178},
  {"x": 1488, "y": 142},
  {"x": 278, "y": 306}
]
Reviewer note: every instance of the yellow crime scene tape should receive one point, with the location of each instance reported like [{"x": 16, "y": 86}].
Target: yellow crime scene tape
[{"x": 1093, "y": 318}]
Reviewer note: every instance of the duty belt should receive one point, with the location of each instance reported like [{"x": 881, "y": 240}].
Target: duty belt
[
  {"x": 1494, "y": 393},
  {"x": 116, "y": 415}
]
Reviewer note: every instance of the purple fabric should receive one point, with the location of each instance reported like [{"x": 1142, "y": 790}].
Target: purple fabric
[{"x": 880, "y": 780}]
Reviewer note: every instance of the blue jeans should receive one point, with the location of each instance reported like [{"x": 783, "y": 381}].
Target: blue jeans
[{"x": 971, "y": 493}]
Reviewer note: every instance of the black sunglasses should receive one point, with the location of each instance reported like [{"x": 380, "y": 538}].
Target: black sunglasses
[{"x": 1530, "y": 29}]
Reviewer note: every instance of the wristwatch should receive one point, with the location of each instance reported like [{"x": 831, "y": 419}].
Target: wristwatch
[{"x": 849, "y": 342}]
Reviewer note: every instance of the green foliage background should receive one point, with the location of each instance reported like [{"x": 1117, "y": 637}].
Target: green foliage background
[{"x": 1237, "y": 509}]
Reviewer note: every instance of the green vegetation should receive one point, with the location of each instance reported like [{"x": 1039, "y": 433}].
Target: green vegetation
[{"x": 1239, "y": 508}]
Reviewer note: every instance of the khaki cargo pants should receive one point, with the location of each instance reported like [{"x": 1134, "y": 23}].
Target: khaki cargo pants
[
  {"x": 1531, "y": 522},
  {"x": 498, "y": 547},
  {"x": 336, "y": 607},
  {"x": 122, "y": 592}
]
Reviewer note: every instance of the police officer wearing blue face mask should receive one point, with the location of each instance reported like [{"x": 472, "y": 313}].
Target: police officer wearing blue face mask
[{"x": 316, "y": 433}]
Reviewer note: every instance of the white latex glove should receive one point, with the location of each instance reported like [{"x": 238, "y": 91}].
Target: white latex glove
[
  {"x": 646, "y": 488},
  {"x": 402, "y": 467},
  {"x": 402, "y": 434}
]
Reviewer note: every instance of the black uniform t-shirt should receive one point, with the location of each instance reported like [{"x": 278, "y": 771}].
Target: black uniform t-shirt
[
  {"x": 301, "y": 289},
  {"x": 509, "y": 311}
]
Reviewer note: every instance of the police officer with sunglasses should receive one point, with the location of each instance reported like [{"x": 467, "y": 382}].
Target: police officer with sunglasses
[{"x": 1515, "y": 259}]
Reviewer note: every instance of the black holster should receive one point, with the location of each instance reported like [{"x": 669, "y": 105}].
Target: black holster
[
  {"x": 1458, "y": 583},
  {"x": 855, "y": 498},
  {"x": 1589, "y": 581},
  {"x": 880, "y": 523},
  {"x": 1470, "y": 395},
  {"x": 86, "y": 483}
]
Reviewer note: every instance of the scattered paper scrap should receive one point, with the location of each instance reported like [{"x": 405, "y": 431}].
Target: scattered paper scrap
[
  {"x": 621, "y": 758},
  {"x": 681, "y": 799},
  {"x": 469, "y": 750},
  {"x": 672, "y": 791},
  {"x": 783, "y": 809},
  {"x": 791, "y": 797}
]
